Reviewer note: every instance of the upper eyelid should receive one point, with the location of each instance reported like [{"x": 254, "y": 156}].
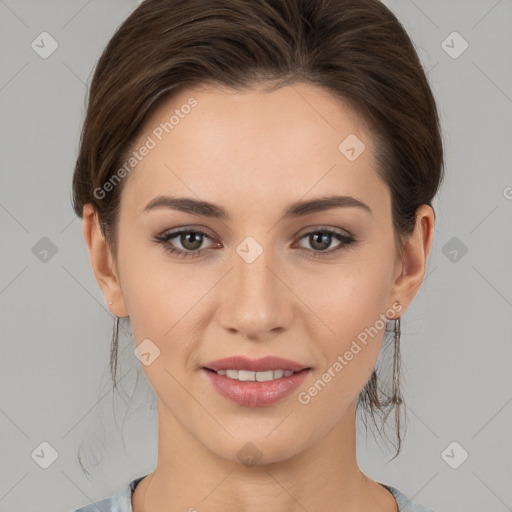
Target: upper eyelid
[
  {"x": 307, "y": 230},
  {"x": 315, "y": 229}
]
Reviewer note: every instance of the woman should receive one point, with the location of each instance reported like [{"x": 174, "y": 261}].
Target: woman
[{"x": 255, "y": 179}]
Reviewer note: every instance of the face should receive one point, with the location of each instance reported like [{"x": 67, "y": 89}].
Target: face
[{"x": 311, "y": 285}]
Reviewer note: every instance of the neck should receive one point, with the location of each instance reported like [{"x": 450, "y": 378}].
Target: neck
[{"x": 322, "y": 476}]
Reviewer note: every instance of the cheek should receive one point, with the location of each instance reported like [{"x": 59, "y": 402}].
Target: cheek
[
  {"x": 351, "y": 301},
  {"x": 166, "y": 304},
  {"x": 156, "y": 295},
  {"x": 160, "y": 305},
  {"x": 163, "y": 302},
  {"x": 348, "y": 298}
]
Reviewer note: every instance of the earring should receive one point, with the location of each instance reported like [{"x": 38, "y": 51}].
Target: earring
[
  {"x": 114, "y": 349},
  {"x": 110, "y": 302},
  {"x": 396, "y": 398}
]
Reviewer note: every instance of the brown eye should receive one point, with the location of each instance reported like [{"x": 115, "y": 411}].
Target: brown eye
[
  {"x": 322, "y": 239},
  {"x": 190, "y": 241}
]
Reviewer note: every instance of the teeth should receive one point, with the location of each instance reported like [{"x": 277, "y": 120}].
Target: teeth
[{"x": 246, "y": 375}]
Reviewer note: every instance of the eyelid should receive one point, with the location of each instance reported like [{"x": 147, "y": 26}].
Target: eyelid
[{"x": 315, "y": 228}]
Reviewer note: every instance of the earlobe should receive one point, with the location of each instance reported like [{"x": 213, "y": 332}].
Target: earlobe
[
  {"x": 416, "y": 249},
  {"x": 102, "y": 262}
]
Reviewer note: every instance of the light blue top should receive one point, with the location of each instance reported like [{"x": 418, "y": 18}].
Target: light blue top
[{"x": 122, "y": 501}]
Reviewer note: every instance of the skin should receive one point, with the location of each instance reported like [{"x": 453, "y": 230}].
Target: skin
[{"x": 254, "y": 153}]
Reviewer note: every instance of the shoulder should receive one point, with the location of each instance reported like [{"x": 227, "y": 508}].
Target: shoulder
[
  {"x": 119, "y": 502},
  {"x": 404, "y": 503}
]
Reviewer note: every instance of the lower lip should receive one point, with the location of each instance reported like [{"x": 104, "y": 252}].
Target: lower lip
[{"x": 253, "y": 393}]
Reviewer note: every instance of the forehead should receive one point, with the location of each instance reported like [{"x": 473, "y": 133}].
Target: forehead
[{"x": 214, "y": 142}]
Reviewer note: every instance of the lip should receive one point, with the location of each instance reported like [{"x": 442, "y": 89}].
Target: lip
[
  {"x": 255, "y": 365},
  {"x": 253, "y": 393}
]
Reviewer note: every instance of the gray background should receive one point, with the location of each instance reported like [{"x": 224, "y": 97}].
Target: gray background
[{"x": 456, "y": 342}]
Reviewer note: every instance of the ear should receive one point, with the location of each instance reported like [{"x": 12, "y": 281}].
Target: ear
[
  {"x": 102, "y": 262},
  {"x": 412, "y": 266}
]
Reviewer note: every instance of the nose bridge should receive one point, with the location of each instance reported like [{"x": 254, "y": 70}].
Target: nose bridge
[{"x": 251, "y": 270}]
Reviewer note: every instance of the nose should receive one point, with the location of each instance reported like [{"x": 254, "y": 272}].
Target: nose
[{"x": 255, "y": 302}]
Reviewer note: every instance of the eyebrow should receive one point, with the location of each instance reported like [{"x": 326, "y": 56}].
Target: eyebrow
[{"x": 294, "y": 210}]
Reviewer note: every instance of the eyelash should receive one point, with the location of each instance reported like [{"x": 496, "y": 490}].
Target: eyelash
[{"x": 164, "y": 240}]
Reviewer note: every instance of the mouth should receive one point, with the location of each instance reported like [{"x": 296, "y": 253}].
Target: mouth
[
  {"x": 255, "y": 382},
  {"x": 262, "y": 376},
  {"x": 263, "y": 369},
  {"x": 250, "y": 388}
]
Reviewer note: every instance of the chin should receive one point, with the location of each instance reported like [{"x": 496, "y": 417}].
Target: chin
[{"x": 257, "y": 449}]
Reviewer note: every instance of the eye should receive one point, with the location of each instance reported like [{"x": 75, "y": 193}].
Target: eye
[
  {"x": 321, "y": 239},
  {"x": 190, "y": 239}
]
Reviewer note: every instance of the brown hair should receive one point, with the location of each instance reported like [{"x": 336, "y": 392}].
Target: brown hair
[{"x": 355, "y": 49}]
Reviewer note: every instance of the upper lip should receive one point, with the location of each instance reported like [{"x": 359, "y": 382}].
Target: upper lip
[{"x": 256, "y": 365}]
